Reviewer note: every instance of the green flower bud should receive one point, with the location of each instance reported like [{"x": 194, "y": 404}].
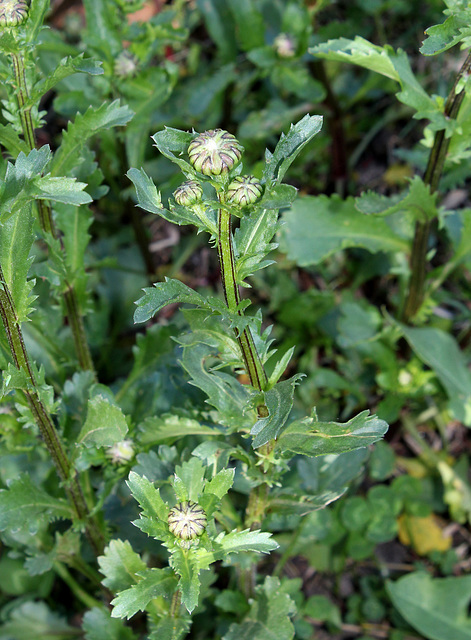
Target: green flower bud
[
  {"x": 244, "y": 190},
  {"x": 130, "y": 6},
  {"x": 214, "y": 152},
  {"x": 188, "y": 193},
  {"x": 12, "y": 13},
  {"x": 125, "y": 64},
  {"x": 187, "y": 520}
]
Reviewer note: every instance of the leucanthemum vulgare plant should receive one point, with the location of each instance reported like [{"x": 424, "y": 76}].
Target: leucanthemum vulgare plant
[{"x": 251, "y": 441}]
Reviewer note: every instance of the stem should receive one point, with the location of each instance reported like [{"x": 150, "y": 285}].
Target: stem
[
  {"x": 253, "y": 364},
  {"x": 175, "y": 604},
  {"x": 44, "y": 421},
  {"x": 80, "y": 593},
  {"x": 433, "y": 173},
  {"x": 47, "y": 224}
]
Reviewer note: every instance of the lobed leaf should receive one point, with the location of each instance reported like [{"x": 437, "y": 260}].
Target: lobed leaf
[
  {"x": 153, "y": 583},
  {"x": 148, "y": 497},
  {"x": 442, "y": 37},
  {"x": 162, "y": 294},
  {"x": 120, "y": 565}
]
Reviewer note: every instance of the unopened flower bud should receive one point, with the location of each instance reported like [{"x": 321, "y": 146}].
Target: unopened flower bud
[
  {"x": 130, "y": 6},
  {"x": 125, "y": 64},
  {"x": 121, "y": 452},
  {"x": 12, "y": 13},
  {"x": 188, "y": 193},
  {"x": 214, "y": 152},
  {"x": 244, "y": 190},
  {"x": 284, "y": 46},
  {"x": 187, "y": 520}
]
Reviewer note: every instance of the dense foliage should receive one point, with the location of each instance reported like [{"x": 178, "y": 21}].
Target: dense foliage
[{"x": 234, "y": 338}]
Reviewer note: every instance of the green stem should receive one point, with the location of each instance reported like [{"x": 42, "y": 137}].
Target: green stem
[
  {"x": 433, "y": 173},
  {"x": 47, "y": 224},
  {"x": 44, "y": 421},
  {"x": 253, "y": 364},
  {"x": 80, "y": 593}
]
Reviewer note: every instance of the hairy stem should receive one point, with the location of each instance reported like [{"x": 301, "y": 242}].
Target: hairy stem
[
  {"x": 253, "y": 364},
  {"x": 46, "y": 221},
  {"x": 44, "y": 421},
  {"x": 433, "y": 173}
]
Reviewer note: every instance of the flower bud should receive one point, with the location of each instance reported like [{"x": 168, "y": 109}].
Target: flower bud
[
  {"x": 188, "y": 193},
  {"x": 121, "y": 452},
  {"x": 284, "y": 46},
  {"x": 125, "y": 64},
  {"x": 214, "y": 152},
  {"x": 244, "y": 190},
  {"x": 12, "y": 13},
  {"x": 187, "y": 520}
]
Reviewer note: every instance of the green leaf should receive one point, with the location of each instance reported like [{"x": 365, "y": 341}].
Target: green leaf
[
  {"x": 188, "y": 563},
  {"x": 153, "y": 583},
  {"x": 440, "y": 351},
  {"x": 436, "y": 607},
  {"x": 312, "y": 438},
  {"x": 188, "y": 480},
  {"x": 170, "y": 628},
  {"x": 35, "y": 620},
  {"x": 279, "y": 401},
  {"x": 221, "y": 483},
  {"x": 168, "y": 428},
  {"x": 289, "y": 146},
  {"x": 66, "y": 190},
  {"x": 99, "y": 625},
  {"x": 102, "y": 32},
  {"x": 66, "y": 67},
  {"x": 269, "y": 615},
  {"x": 147, "y": 195},
  {"x": 12, "y": 141},
  {"x": 249, "y": 24},
  {"x": 418, "y": 200},
  {"x": 153, "y": 519},
  {"x": 220, "y": 26},
  {"x": 171, "y": 141},
  {"x": 252, "y": 241},
  {"x": 162, "y": 294},
  {"x": 318, "y": 226},
  {"x": 36, "y": 15},
  {"x": 120, "y": 565},
  {"x": 84, "y": 127},
  {"x": 105, "y": 424},
  {"x": 239, "y": 541},
  {"x": 24, "y": 506},
  {"x": 442, "y": 37},
  {"x": 16, "y": 240}
]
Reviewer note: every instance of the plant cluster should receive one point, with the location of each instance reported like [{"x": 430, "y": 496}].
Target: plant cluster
[{"x": 167, "y": 472}]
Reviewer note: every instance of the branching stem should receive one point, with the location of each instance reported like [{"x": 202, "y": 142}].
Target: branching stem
[{"x": 433, "y": 173}]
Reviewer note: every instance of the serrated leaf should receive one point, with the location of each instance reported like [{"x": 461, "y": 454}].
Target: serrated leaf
[
  {"x": 162, "y": 294},
  {"x": 23, "y": 506},
  {"x": 84, "y": 127},
  {"x": 440, "y": 351},
  {"x": 317, "y": 226},
  {"x": 442, "y": 37},
  {"x": 313, "y": 438},
  {"x": 147, "y": 195},
  {"x": 153, "y": 519},
  {"x": 436, "y": 607},
  {"x": 252, "y": 241},
  {"x": 66, "y": 190},
  {"x": 269, "y": 615},
  {"x": 289, "y": 146},
  {"x": 99, "y": 625},
  {"x": 120, "y": 565},
  {"x": 152, "y": 584},
  {"x": 221, "y": 483},
  {"x": 279, "y": 401},
  {"x": 12, "y": 141},
  {"x": 105, "y": 424},
  {"x": 189, "y": 479},
  {"x": 188, "y": 563}
]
